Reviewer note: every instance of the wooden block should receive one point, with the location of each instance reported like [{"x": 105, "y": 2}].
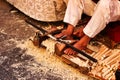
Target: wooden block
[
  {"x": 66, "y": 59},
  {"x": 76, "y": 62},
  {"x": 59, "y": 47}
]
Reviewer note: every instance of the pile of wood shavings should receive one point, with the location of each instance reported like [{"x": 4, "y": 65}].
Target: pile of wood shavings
[{"x": 50, "y": 45}]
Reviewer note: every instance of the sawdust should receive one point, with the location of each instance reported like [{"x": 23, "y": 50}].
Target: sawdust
[
  {"x": 50, "y": 45},
  {"x": 52, "y": 63}
]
